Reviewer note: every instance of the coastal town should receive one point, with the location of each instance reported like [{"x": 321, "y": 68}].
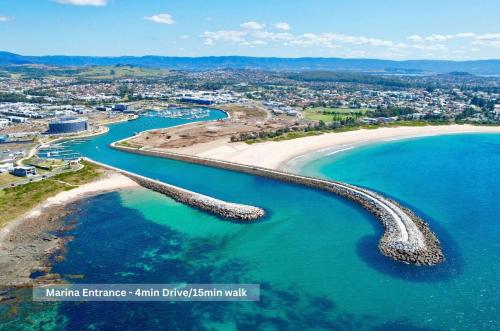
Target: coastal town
[
  {"x": 45, "y": 112},
  {"x": 249, "y": 165},
  {"x": 39, "y": 104},
  {"x": 229, "y": 119},
  {"x": 46, "y": 91}
]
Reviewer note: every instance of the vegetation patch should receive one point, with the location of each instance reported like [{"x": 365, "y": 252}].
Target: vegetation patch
[
  {"x": 286, "y": 136},
  {"x": 327, "y": 114},
  {"x": 16, "y": 201},
  {"x": 322, "y": 127},
  {"x": 128, "y": 144},
  {"x": 247, "y": 111},
  {"x": 114, "y": 72},
  {"x": 7, "y": 178}
]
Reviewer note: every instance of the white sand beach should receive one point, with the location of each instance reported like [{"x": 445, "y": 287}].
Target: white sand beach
[
  {"x": 111, "y": 182},
  {"x": 276, "y": 155},
  {"x": 26, "y": 243}
]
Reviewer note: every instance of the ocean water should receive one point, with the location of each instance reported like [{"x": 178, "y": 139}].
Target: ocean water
[{"x": 315, "y": 255}]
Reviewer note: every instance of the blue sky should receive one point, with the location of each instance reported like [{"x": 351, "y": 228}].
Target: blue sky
[{"x": 390, "y": 29}]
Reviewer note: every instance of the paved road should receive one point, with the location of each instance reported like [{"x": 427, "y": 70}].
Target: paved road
[{"x": 39, "y": 177}]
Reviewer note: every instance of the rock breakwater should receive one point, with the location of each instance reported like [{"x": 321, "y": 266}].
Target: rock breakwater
[
  {"x": 407, "y": 238},
  {"x": 232, "y": 211}
]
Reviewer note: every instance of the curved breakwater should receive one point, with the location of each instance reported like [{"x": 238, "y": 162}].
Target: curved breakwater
[
  {"x": 233, "y": 211},
  {"x": 407, "y": 238}
]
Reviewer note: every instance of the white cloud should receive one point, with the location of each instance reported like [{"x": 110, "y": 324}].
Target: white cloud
[
  {"x": 97, "y": 3},
  {"x": 488, "y": 39},
  {"x": 224, "y": 35},
  {"x": 263, "y": 37},
  {"x": 465, "y": 35},
  {"x": 254, "y": 34},
  {"x": 426, "y": 47},
  {"x": 272, "y": 36},
  {"x": 184, "y": 36},
  {"x": 253, "y": 43},
  {"x": 489, "y": 36},
  {"x": 5, "y": 18},
  {"x": 440, "y": 37},
  {"x": 252, "y": 25},
  {"x": 282, "y": 26},
  {"x": 415, "y": 38},
  {"x": 161, "y": 19},
  {"x": 331, "y": 40},
  {"x": 209, "y": 42}
]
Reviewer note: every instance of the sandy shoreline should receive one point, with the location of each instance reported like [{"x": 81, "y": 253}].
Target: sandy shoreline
[
  {"x": 25, "y": 243},
  {"x": 286, "y": 154},
  {"x": 111, "y": 182}
]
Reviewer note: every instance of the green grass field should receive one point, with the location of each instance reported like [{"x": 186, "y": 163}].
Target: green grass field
[
  {"x": 7, "y": 178},
  {"x": 91, "y": 72},
  {"x": 326, "y": 114},
  {"x": 120, "y": 72},
  {"x": 16, "y": 201}
]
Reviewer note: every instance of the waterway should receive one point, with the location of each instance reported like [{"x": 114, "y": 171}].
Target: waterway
[{"x": 315, "y": 255}]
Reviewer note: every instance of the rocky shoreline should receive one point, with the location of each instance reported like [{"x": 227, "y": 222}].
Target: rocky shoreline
[
  {"x": 29, "y": 248},
  {"x": 407, "y": 238},
  {"x": 31, "y": 243}
]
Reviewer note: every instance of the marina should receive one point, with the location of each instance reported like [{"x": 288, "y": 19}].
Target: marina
[
  {"x": 152, "y": 235},
  {"x": 182, "y": 113},
  {"x": 244, "y": 166},
  {"x": 59, "y": 152}
]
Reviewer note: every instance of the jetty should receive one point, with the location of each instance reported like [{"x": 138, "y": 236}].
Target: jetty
[
  {"x": 407, "y": 238},
  {"x": 228, "y": 210}
]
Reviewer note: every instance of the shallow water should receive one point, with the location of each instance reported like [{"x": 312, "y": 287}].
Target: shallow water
[{"x": 314, "y": 255}]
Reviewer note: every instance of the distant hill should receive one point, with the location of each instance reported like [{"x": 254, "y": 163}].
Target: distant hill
[
  {"x": 7, "y": 58},
  {"x": 480, "y": 67}
]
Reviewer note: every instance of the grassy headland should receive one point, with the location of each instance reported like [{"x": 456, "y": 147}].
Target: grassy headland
[{"x": 15, "y": 201}]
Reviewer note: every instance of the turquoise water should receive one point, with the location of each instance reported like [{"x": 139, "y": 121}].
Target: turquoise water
[{"x": 314, "y": 255}]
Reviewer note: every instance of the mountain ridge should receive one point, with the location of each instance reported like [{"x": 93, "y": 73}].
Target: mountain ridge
[{"x": 482, "y": 67}]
